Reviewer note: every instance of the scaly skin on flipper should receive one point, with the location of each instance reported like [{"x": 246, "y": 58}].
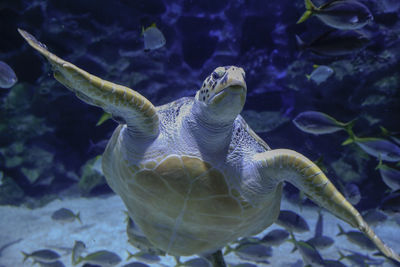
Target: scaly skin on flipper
[
  {"x": 122, "y": 102},
  {"x": 288, "y": 165}
]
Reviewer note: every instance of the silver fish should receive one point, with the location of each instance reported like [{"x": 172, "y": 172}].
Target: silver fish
[
  {"x": 144, "y": 256},
  {"x": 309, "y": 254},
  {"x": 153, "y": 38},
  {"x": 49, "y": 264},
  {"x": 339, "y": 14},
  {"x": 335, "y": 43},
  {"x": 315, "y": 122},
  {"x": 197, "y": 262},
  {"x": 320, "y": 74},
  {"x": 104, "y": 258},
  {"x": 77, "y": 250},
  {"x": 42, "y": 255},
  {"x": 292, "y": 221},
  {"x": 136, "y": 264},
  {"x": 275, "y": 237},
  {"x": 253, "y": 252},
  {"x": 7, "y": 76},
  {"x": 359, "y": 259},
  {"x": 319, "y": 241},
  {"x": 379, "y": 148},
  {"x": 65, "y": 215},
  {"x": 357, "y": 238},
  {"x": 390, "y": 176}
]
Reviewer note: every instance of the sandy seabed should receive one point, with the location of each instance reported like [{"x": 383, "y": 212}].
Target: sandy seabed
[{"x": 103, "y": 227}]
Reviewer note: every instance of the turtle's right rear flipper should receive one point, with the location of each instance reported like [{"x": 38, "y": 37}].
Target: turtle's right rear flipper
[{"x": 122, "y": 102}]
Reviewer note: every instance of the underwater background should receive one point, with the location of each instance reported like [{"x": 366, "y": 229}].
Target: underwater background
[{"x": 51, "y": 142}]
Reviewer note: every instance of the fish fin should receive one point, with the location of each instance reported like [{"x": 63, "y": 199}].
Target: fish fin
[
  {"x": 310, "y": 9},
  {"x": 325, "y": 5},
  {"x": 78, "y": 217},
  {"x": 308, "y": 76},
  {"x": 315, "y": 66},
  {"x": 300, "y": 43},
  {"x": 228, "y": 249},
  {"x": 341, "y": 231}
]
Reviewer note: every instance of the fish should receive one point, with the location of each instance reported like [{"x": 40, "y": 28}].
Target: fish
[
  {"x": 292, "y": 222},
  {"x": 104, "y": 258},
  {"x": 275, "y": 237},
  {"x": 153, "y": 38},
  {"x": 379, "y": 148},
  {"x": 359, "y": 259},
  {"x": 315, "y": 122},
  {"x": 374, "y": 217},
  {"x": 42, "y": 255},
  {"x": 319, "y": 241},
  {"x": 8, "y": 78},
  {"x": 358, "y": 238},
  {"x": 334, "y": 263},
  {"x": 65, "y": 215},
  {"x": 136, "y": 264},
  {"x": 320, "y": 74},
  {"x": 390, "y": 176},
  {"x": 144, "y": 256},
  {"x": 196, "y": 262},
  {"x": 309, "y": 254},
  {"x": 77, "y": 250},
  {"x": 49, "y": 264},
  {"x": 335, "y": 43},
  {"x": 251, "y": 251},
  {"x": 339, "y": 14}
]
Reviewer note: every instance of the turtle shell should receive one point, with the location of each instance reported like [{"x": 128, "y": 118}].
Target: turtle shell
[{"x": 183, "y": 204}]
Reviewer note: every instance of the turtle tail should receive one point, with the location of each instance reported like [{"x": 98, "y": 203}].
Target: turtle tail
[{"x": 288, "y": 165}]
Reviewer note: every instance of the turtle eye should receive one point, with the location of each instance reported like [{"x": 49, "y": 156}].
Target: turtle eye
[{"x": 215, "y": 76}]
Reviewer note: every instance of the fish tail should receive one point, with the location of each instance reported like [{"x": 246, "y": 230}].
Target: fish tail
[
  {"x": 78, "y": 217},
  {"x": 310, "y": 9},
  {"x": 348, "y": 127},
  {"x": 130, "y": 255},
  {"x": 26, "y": 256},
  {"x": 292, "y": 239},
  {"x": 342, "y": 256},
  {"x": 308, "y": 76},
  {"x": 341, "y": 231}
]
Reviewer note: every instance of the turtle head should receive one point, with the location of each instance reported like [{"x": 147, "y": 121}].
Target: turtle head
[{"x": 223, "y": 93}]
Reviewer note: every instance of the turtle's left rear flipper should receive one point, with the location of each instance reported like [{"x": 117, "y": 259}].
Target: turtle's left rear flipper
[{"x": 122, "y": 102}]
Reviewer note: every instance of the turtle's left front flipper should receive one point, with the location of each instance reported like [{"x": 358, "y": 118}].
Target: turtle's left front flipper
[
  {"x": 287, "y": 165},
  {"x": 122, "y": 102}
]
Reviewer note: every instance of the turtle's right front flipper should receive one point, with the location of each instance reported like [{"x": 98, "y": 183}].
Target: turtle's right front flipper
[{"x": 122, "y": 102}]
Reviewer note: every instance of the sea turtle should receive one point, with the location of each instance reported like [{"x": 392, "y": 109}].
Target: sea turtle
[{"x": 192, "y": 174}]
